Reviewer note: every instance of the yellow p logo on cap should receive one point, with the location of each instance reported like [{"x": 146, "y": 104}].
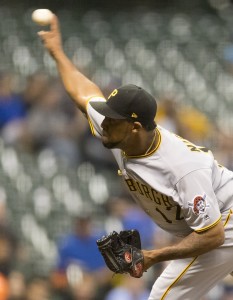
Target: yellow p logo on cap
[{"x": 113, "y": 93}]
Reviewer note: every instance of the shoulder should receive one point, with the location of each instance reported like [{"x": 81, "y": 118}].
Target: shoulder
[{"x": 182, "y": 156}]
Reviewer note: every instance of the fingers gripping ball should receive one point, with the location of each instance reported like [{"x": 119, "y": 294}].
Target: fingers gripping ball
[
  {"x": 42, "y": 16},
  {"x": 121, "y": 257}
]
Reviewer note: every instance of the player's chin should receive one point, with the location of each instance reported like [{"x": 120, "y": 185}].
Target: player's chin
[{"x": 107, "y": 144}]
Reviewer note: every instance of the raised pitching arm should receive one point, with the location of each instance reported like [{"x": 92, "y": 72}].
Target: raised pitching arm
[{"x": 78, "y": 86}]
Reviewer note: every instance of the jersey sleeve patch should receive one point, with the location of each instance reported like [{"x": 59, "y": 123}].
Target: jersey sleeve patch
[
  {"x": 198, "y": 200},
  {"x": 200, "y": 205}
]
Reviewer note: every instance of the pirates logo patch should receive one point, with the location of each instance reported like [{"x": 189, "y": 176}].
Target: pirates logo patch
[{"x": 199, "y": 204}]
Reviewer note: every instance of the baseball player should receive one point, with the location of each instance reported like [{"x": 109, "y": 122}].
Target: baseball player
[{"x": 178, "y": 184}]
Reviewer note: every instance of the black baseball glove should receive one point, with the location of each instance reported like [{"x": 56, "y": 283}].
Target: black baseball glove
[{"x": 122, "y": 252}]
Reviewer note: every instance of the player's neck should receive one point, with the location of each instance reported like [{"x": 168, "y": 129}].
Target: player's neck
[{"x": 143, "y": 144}]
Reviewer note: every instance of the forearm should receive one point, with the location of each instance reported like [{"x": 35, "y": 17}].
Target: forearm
[
  {"x": 194, "y": 244},
  {"x": 78, "y": 86},
  {"x": 190, "y": 246}
]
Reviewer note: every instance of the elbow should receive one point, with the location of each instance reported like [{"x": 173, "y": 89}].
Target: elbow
[
  {"x": 216, "y": 236},
  {"x": 220, "y": 239},
  {"x": 216, "y": 241},
  {"x": 221, "y": 235}
]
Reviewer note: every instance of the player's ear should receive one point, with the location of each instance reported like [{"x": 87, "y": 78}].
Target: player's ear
[{"x": 137, "y": 126}]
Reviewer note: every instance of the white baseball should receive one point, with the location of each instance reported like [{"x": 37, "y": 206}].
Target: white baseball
[{"x": 42, "y": 16}]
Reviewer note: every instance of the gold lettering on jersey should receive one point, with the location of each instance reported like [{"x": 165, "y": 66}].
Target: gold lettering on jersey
[
  {"x": 193, "y": 147},
  {"x": 139, "y": 188},
  {"x": 166, "y": 200},
  {"x": 146, "y": 191},
  {"x": 149, "y": 192},
  {"x": 156, "y": 196},
  {"x": 113, "y": 93},
  {"x": 131, "y": 185}
]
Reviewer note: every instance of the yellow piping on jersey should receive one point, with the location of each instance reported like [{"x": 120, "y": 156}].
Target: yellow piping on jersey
[
  {"x": 208, "y": 227},
  {"x": 149, "y": 153},
  {"x": 178, "y": 278},
  {"x": 184, "y": 271},
  {"x": 91, "y": 126},
  {"x": 215, "y": 223},
  {"x": 228, "y": 217},
  {"x": 89, "y": 120}
]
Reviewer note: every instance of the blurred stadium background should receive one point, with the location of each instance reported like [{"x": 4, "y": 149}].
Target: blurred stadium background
[{"x": 51, "y": 171}]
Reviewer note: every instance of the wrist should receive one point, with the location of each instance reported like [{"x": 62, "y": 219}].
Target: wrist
[
  {"x": 150, "y": 258},
  {"x": 58, "y": 54}
]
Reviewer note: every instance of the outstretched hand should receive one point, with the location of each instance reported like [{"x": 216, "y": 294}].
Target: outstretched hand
[{"x": 52, "y": 38}]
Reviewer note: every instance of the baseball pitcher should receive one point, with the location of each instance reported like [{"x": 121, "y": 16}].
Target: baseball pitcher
[{"x": 178, "y": 184}]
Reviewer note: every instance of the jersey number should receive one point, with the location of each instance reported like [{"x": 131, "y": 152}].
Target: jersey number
[{"x": 178, "y": 214}]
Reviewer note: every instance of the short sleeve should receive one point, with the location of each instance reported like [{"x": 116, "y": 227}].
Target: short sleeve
[
  {"x": 94, "y": 118},
  {"x": 198, "y": 201}
]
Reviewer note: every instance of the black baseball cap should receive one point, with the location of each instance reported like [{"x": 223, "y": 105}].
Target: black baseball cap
[{"x": 129, "y": 102}]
